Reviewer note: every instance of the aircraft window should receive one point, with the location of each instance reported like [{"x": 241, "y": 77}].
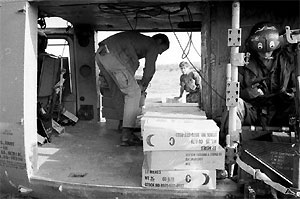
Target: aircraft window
[
  {"x": 56, "y": 22},
  {"x": 58, "y": 47}
]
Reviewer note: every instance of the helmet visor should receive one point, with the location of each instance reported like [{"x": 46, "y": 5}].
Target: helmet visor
[{"x": 265, "y": 40}]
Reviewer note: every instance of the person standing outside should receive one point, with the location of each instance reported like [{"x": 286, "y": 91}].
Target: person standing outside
[
  {"x": 118, "y": 55},
  {"x": 189, "y": 82}
]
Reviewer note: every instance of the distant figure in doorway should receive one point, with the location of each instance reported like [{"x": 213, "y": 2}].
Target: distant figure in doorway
[
  {"x": 190, "y": 83},
  {"x": 118, "y": 58}
]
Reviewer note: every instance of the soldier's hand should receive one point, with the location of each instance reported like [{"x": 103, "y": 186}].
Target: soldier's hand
[
  {"x": 256, "y": 90},
  {"x": 260, "y": 91},
  {"x": 287, "y": 95}
]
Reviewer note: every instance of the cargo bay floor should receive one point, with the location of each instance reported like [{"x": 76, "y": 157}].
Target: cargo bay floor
[
  {"x": 89, "y": 153},
  {"x": 86, "y": 161}
]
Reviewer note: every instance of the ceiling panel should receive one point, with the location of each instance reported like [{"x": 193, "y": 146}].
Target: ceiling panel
[{"x": 150, "y": 16}]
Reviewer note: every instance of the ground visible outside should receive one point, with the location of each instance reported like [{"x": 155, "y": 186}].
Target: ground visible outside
[{"x": 165, "y": 82}]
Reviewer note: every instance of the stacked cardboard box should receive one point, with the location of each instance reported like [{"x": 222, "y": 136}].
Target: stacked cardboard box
[
  {"x": 173, "y": 110},
  {"x": 180, "y": 152}
]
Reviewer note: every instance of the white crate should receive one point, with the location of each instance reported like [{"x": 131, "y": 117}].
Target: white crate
[
  {"x": 179, "y": 179},
  {"x": 179, "y": 134},
  {"x": 168, "y": 110},
  {"x": 173, "y": 110},
  {"x": 185, "y": 160}
]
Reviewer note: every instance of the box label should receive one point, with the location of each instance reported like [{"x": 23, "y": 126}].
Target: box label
[
  {"x": 195, "y": 179},
  {"x": 173, "y": 134},
  {"x": 184, "y": 160}
]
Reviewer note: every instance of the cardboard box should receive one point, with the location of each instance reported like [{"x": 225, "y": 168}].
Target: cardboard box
[
  {"x": 167, "y": 110},
  {"x": 175, "y": 100},
  {"x": 173, "y": 110},
  {"x": 156, "y": 114},
  {"x": 179, "y": 134},
  {"x": 179, "y": 105},
  {"x": 57, "y": 127},
  {"x": 185, "y": 160},
  {"x": 179, "y": 179},
  {"x": 70, "y": 116}
]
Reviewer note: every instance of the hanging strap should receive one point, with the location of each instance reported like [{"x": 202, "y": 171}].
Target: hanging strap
[{"x": 257, "y": 174}]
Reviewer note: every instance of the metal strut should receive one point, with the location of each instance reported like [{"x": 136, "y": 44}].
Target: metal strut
[
  {"x": 293, "y": 37},
  {"x": 232, "y": 86}
]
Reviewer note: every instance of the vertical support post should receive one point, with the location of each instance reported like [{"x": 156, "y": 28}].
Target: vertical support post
[
  {"x": 296, "y": 176},
  {"x": 84, "y": 49},
  {"x": 99, "y": 95},
  {"x": 232, "y": 130},
  {"x": 18, "y": 98},
  {"x": 293, "y": 37},
  {"x": 232, "y": 90}
]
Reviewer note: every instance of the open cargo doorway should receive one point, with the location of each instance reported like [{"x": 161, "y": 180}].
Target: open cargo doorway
[
  {"x": 89, "y": 153},
  {"x": 165, "y": 85}
]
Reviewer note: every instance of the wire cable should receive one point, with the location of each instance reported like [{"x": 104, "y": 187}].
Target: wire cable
[
  {"x": 195, "y": 48},
  {"x": 127, "y": 19},
  {"x": 148, "y": 10},
  {"x": 156, "y": 10}
]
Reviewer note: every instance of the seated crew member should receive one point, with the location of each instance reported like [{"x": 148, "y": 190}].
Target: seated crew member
[{"x": 267, "y": 83}]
